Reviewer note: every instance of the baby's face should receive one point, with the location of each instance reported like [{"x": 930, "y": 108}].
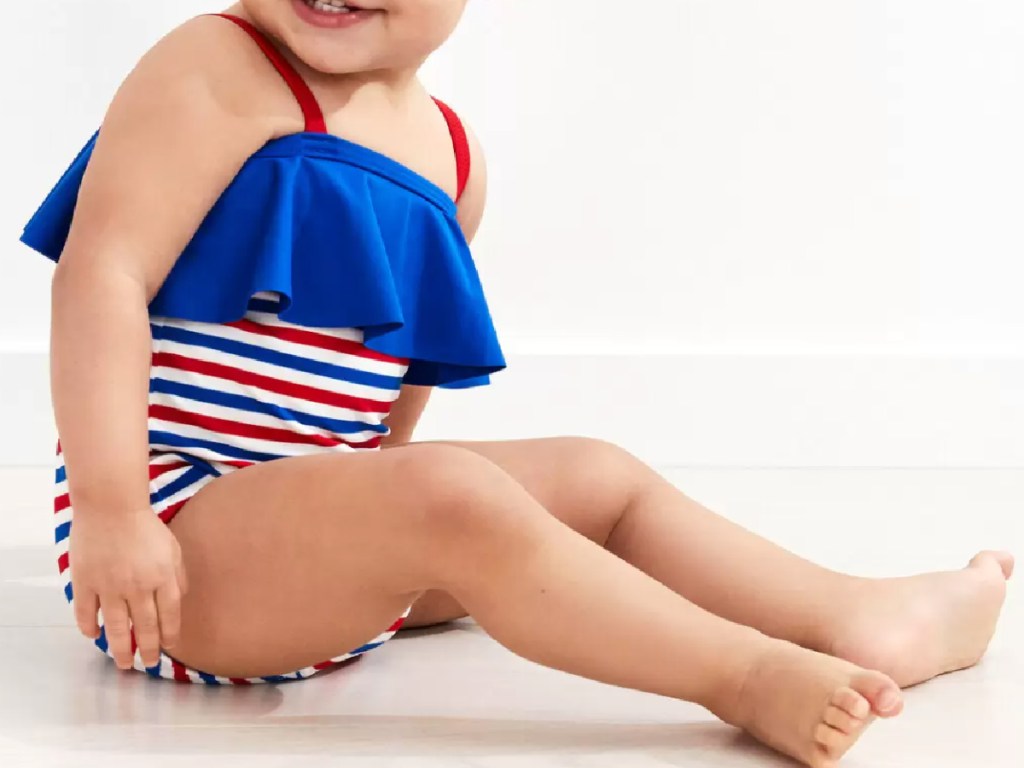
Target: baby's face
[{"x": 337, "y": 37}]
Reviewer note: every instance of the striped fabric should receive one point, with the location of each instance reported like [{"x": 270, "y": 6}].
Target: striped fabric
[{"x": 225, "y": 396}]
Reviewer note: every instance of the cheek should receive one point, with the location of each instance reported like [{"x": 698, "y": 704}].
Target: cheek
[{"x": 422, "y": 27}]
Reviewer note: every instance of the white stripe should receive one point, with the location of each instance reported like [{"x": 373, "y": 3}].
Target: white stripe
[
  {"x": 259, "y": 445},
  {"x": 253, "y": 418},
  {"x": 281, "y": 373},
  {"x": 277, "y": 399},
  {"x": 187, "y": 492},
  {"x": 64, "y": 516},
  {"x": 306, "y": 351}
]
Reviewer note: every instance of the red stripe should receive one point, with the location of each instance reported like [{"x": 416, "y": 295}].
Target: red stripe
[
  {"x": 60, "y": 503},
  {"x": 64, "y": 562},
  {"x": 397, "y": 625},
  {"x": 269, "y": 384},
  {"x": 461, "y": 144},
  {"x": 135, "y": 645},
  {"x": 228, "y": 427},
  {"x": 323, "y": 665},
  {"x": 168, "y": 514},
  {"x": 179, "y": 672},
  {"x": 314, "y": 339},
  {"x": 240, "y": 681},
  {"x": 307, "y": 101},
  {"x": 220, "y": 426},
  {"x": 155, "y": 470},
  {"x": 58, "y": 448}
]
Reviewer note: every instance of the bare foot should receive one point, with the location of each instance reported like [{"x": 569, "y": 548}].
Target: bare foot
[
  {"x": 918, "y": 627},
  {"x": 810, "y": 706}
]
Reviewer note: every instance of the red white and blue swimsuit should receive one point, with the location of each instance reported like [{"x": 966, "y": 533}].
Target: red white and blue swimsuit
[{"x": 325, "y": 277}]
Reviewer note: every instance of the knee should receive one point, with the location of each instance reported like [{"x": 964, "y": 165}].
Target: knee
[
  {"x": 454, "y": 491},
  {"x": 601, "y": 470}
]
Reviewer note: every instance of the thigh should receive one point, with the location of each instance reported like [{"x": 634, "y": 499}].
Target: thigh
[
  {"x": 585, "y": 483},
  {"x": 297, "y": 560}
]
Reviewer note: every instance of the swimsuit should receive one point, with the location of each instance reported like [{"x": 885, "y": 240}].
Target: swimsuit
[{"x": 324, "y": 277}]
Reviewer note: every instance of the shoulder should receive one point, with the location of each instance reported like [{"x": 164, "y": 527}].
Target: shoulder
[
  {"x": 474, "y": 197},
  {"x": 205, "y": 68},
  {"x": 180, "y": 127}
]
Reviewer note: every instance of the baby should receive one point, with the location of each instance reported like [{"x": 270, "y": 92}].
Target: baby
[{"x": 263, "y": 270}]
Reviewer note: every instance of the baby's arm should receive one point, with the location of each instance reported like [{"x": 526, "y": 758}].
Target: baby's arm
[
  {"x": 407, "y": 410},
  {"x": 178, "y": 130}
]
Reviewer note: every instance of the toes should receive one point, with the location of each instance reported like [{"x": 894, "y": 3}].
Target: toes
[
  {"x": 1004, "y": 560},
  {"x": 881, "y": 692},
  {"x": 834, "y": 742},
  {"x": 843, "y": 721},
  {"x": 852, "y": 703}
]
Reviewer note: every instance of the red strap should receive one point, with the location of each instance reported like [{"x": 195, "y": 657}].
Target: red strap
[
  {"x": 461, "y": 144},
  {"x": 310, "y": 108}
]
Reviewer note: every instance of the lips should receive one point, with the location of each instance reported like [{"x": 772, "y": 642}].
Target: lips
[{"x": 333, "y": 14}]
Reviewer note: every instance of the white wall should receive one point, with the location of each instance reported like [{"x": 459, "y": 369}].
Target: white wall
[{"x": 741, "y": 178}]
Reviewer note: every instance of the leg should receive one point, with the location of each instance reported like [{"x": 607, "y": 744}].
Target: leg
[
  {"x": 912, "y": 629},
  {"x": 333, "y": 547}
]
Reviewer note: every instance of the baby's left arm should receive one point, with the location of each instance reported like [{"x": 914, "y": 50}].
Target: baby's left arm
[{"x": 406, "y": 411}]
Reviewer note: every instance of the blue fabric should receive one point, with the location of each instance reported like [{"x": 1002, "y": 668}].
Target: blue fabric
[{"x": 347, "y": 236}]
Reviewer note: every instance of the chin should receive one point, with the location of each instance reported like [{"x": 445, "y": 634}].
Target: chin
[{"x": 379, "y": 35}]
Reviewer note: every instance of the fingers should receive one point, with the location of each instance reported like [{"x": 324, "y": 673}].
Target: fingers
[
  {"x": 147, "y": 628},
  {"x": 86, "y": 604},
  {"x": 168, "y": 604},
  {"x": 119, "y": 639},
  {"x": 182, "y": 576}
]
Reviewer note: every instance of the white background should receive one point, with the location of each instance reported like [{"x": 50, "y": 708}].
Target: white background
[{"x": 689, "y": 199}]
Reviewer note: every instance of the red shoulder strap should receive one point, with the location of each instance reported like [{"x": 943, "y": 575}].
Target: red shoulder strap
[
  {"x": 307, "y": 101},
  {"x": 460, "y": 143}
]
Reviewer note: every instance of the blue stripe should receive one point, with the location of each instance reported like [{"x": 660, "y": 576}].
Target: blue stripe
[
  {"x": 62, "y": 531},
  {"x": 275, "y": 678},
  {"x": 367, "y": 647},
  {"x": 154, "y": 671},
  {"x": 69, "y": 592},
  {"x": 242, "y": 403},
  {"x": 190, "y": 476},
  {"x": 62, "y": 474},
  {"x": 101, "y": 641},
  {"x": 207, "y": 678},
  {"x": 157, "y": 438},
  {"x": 273, "y": 357}
]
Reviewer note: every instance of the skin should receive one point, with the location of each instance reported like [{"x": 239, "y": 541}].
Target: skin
[{"x": 535, "y": 539}]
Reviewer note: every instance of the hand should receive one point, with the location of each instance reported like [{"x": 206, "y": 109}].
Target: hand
[{"x": 129, "y": 566}]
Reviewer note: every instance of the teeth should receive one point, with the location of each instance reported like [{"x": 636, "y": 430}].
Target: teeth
[{"x": 329, "y": 6}]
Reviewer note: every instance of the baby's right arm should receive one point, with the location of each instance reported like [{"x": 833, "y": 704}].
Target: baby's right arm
[{"x": 179, "y": 129}]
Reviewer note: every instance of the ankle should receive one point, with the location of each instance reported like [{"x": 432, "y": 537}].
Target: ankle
[
  {"x": 833, "y": 620},
  {"x": 726, "y": 693}
]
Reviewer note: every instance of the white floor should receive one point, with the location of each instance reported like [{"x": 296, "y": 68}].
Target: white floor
[{"x": 456, "y": 698}]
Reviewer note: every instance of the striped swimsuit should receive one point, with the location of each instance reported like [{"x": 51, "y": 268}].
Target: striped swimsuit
[{"x": 265, "y": 368}]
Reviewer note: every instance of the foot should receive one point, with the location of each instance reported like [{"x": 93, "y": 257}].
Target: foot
[
  {"x": 810, "y": 706},
  {"x": 918, "y": 627}
]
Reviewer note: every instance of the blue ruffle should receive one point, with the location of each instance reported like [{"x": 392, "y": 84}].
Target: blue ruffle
[{"x": 348, "y": 237}]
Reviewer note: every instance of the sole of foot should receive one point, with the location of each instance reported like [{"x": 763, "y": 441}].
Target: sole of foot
[
  {"x": 811, "y": 706},
  {"x": 918, "y": 627}
]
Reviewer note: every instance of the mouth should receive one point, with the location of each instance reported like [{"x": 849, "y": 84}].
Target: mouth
[
  {"x": 331, "y": 6},
  {"x": 333, "y": 13}
]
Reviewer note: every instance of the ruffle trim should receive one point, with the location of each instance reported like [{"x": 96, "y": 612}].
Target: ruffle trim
[{"x": 349, "y": 238}]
